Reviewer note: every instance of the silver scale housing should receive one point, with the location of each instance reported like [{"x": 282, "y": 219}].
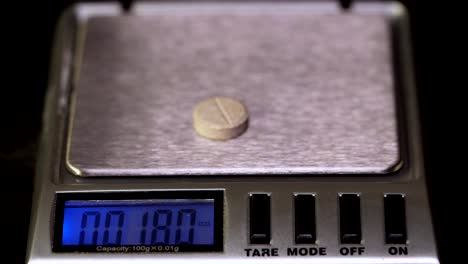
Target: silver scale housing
[{"x": 397, "y": 169}]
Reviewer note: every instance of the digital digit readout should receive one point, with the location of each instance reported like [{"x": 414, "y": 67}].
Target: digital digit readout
[{"x": 138, "y": 222}]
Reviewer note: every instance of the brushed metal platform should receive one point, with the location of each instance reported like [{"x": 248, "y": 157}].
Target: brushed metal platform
[{"x": 318, "y": 85}]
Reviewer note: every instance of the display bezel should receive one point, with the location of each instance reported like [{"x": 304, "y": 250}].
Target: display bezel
[{"x": 216, "y": 195}]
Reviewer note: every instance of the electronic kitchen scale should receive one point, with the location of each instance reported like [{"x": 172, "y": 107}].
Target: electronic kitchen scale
[{"x": 326, "y": 167}]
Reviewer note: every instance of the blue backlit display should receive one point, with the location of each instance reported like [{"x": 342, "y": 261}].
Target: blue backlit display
[{"x": 138, "y": 222}]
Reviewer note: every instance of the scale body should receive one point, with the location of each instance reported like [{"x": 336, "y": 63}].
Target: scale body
[{"x": 331, "y": 176}]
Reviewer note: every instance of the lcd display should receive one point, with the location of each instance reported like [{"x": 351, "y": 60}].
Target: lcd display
[{"x": 138, "y": 222}]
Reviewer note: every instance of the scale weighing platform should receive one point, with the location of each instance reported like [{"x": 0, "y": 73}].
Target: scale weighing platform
[{"x": 327, "y": 167}]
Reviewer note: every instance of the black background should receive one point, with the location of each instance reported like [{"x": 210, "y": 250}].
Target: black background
[{"x": 27, "y": 31}]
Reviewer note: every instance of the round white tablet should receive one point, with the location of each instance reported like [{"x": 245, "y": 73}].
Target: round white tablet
[{"x": 220, "y": 118}]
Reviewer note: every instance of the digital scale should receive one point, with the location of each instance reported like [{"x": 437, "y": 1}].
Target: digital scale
[{"x": 329, "y": 168}]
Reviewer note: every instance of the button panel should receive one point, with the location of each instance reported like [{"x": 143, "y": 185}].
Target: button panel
[
  {"x": 260, "y": 222},
  {"x": 395, "y": 219},
  {"x": 305, "y": 222},
  {"x": 350, "y": 219},
  {"x": 304, "y": 217}
]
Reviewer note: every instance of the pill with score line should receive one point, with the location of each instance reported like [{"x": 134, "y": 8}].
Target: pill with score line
[{"x": 220, "y": 118}]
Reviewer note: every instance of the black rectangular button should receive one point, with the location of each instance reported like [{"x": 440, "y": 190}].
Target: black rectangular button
[
  {"x": 260, "y": 222},
  {"x": 304, "y": 215},
  {"x": 395, "y": 219},
  {"x": 350, "y": 219}
]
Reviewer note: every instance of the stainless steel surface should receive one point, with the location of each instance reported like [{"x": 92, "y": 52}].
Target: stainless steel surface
[
  {"x": 318, "y": 85},
  {"x": 52, "y": 178}
]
